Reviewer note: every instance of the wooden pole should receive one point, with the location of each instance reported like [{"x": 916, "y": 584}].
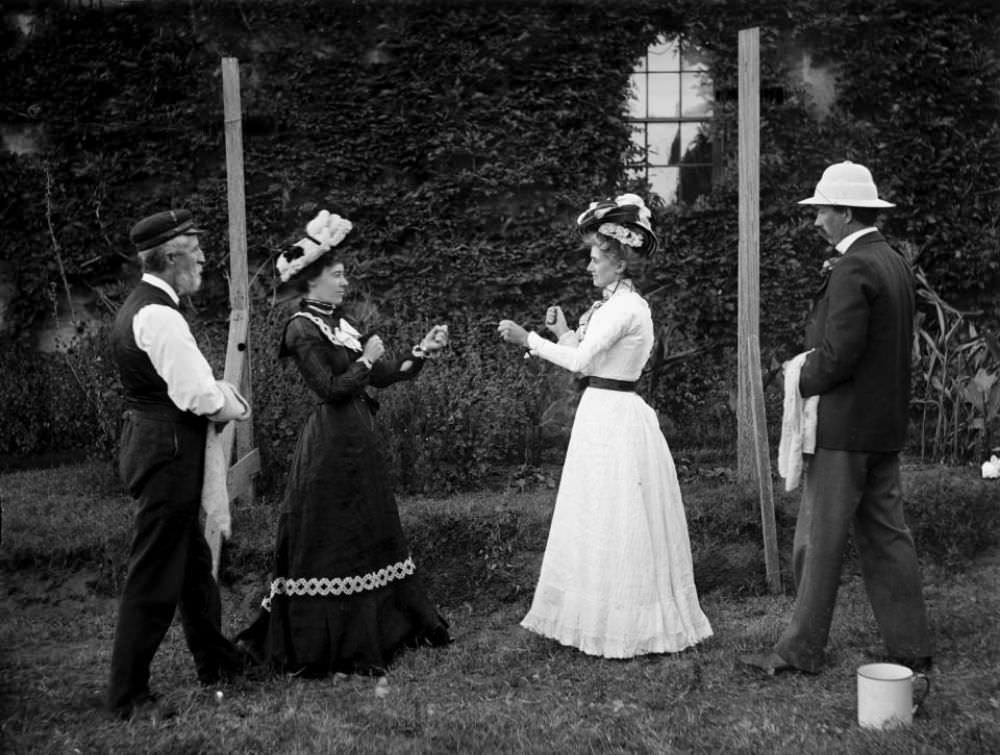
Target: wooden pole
[
  {"x": 749, "y": 242},
  {"x": 237, "y": 351},
  {"x": 762, "y": 458},
  {"x": 237, "y": 371},
  {"x": 753, "y": 452}
]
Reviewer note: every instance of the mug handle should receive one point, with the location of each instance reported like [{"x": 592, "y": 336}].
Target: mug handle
[{"x": 923, "y": 696}]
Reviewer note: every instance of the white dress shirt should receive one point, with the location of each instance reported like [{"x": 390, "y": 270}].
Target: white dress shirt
[
  {"x": 163, "y": 333},
  {"x": 845, "y": 243}
]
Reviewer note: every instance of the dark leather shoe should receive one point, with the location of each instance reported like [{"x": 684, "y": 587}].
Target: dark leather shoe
[
  {"x": 239, "y": 665},
  {"x": 251, "y": 654},
  {"x": 148, "y": 708},
  {"x": 922, "y": 664},
  {"x": 919, "y": 664},
  {"x": 770, "y": 663}
]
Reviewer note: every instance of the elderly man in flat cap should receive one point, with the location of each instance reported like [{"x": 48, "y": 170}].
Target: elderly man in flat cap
[
  {"x": 859, "y": 337},
  {"x": 171, "y": 397}
]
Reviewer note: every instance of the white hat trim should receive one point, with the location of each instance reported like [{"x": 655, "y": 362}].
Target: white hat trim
[{"x": 323, "y": 232}]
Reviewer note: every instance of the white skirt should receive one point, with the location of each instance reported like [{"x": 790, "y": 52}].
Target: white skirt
[{"x": 617, "y": 578}]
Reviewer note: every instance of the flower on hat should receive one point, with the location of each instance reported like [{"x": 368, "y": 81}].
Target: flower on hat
[
  {"x": 634, "y": 199},
  {"x": 323, "y": 232},
  {"x": 620, "y": 232},
  {"x": 317, "y": 229},
  {"x": 624, "y": 218},
  {"x": 595, "y": 210}
]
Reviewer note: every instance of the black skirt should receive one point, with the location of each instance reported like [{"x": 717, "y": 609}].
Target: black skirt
[{"x": 345, "y": 595}]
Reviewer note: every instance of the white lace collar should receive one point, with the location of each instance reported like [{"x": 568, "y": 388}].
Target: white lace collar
[{"x": 343, "y": 334}]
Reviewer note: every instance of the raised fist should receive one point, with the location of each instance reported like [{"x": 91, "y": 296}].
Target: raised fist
[
  {"x": 555, "y": 320},
  {"x": 435, "y": 340},
  {"x": 374, "y": 349}
]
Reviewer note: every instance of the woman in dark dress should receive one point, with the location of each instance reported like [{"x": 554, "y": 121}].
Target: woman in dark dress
[{"x": 345, "y": 594}]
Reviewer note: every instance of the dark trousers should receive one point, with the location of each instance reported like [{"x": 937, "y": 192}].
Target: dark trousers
[
  {"x": 844, "y": 488},
  {"x": 170, "y": 565}
]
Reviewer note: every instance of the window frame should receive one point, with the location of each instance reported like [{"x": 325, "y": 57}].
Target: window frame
[{"x": 680, "y": 63}]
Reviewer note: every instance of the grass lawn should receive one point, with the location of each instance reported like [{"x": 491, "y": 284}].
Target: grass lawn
[{"x": 498, "y": 688}]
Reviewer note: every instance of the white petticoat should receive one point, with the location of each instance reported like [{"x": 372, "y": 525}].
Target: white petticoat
[{"x": 617, "y": 578}]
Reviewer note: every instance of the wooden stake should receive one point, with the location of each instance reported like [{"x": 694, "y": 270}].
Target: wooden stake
[
  {"x": 749, "y": 241},
  {"x": 240, "y": 478},
  {"x": 762, "y": 458},
  {"x": 753, "y": 452}
]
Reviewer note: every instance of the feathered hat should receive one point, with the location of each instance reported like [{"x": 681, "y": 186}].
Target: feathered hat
[
  {"x": 625, "y": 218},
  {"x": 323, "y": 232}
]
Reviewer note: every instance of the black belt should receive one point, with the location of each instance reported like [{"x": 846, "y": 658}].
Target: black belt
[{"x": 607, "y": 384}]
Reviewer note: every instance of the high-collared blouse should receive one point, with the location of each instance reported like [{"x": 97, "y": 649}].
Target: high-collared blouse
[{"x": 616, "y": 342}]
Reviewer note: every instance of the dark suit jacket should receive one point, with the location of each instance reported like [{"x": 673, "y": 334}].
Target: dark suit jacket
[{"x": 861, "y": 328}]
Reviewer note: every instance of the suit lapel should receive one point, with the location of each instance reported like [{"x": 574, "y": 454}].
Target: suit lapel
[{"x": 821, "y": 287}]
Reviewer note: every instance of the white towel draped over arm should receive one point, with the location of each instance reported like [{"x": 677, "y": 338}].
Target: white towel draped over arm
[
  {"x": 214, "y": 490},
  {"x": 798, "y": 425}
]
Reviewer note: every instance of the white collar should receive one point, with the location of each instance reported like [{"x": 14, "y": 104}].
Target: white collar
[
  {"x": 622, "y": 284},
  {"x": 155, "y": 280},
  {"x": 845, "y": 243}
]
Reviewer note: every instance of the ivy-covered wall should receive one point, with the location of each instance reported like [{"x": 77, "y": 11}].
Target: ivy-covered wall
[{"x": 463, "y": 137}]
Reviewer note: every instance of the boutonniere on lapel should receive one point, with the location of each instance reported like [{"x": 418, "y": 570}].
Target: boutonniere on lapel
[{"x": 828, "y": 266}]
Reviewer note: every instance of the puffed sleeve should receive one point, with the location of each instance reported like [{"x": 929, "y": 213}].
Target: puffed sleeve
[
  {"x": 606, "y": 326},
  {"x": 331, "y": 372}
]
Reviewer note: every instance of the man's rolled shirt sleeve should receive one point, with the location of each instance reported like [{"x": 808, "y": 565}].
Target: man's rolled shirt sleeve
[{"x": 164, "y": 335}]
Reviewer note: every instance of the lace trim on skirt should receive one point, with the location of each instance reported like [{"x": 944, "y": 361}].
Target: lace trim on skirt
[{"x": 324, "y": 586}]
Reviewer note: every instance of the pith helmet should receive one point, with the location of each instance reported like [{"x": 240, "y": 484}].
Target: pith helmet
[{"x": 847, "y": 184}]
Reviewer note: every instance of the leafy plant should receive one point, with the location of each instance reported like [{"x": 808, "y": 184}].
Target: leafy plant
[{"x": 957, "y": 393}]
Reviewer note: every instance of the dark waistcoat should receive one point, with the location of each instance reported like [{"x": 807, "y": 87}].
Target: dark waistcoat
[{"x": 143, "y": 386}]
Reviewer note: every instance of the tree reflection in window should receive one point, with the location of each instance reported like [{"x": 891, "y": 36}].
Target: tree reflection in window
[{"x": 670, "y": 108}]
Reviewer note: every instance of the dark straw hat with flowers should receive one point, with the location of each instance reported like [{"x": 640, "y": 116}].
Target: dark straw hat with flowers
[{"x": 624, "y": 218}]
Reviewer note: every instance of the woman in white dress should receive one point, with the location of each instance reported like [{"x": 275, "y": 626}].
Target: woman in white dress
[{"x": 617, "y": 578}]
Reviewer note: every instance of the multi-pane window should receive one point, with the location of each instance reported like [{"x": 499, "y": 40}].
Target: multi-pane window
[{"x": 670, "y": 108}]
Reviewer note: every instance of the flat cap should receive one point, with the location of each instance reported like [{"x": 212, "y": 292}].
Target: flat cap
[{"x": 155, "y": 229}]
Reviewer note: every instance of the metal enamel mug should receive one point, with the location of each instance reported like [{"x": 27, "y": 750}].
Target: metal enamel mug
[{"x": 885, "y": 695}]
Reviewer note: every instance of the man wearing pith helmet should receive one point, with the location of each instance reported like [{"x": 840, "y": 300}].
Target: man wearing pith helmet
[
  {"x": 171, "y": 401},
  {"x": 859, "y": 337}
]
